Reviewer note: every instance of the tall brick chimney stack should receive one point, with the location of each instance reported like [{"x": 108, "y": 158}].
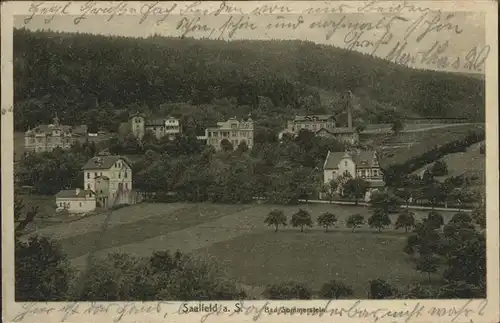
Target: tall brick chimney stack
[{"x": 349, "y": 110}]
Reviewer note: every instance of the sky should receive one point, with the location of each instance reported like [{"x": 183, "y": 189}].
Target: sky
[{"x": 451, "y": 41}]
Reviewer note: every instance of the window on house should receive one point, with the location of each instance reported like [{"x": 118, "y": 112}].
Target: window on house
[
  {"x": 345, "y": 163},
  {"x": 88, "y": 186},
  {"x": 120, "y": 175},
  {"x": 60, "y": 204},
  {"x": 69, "y": 204},
  {"x": 101, "y": 173},
  {"x": 126, "y": 185},
  {"x": 233, "y": 133},
  {"x": 88, "y": 175},
  {"x": 80, "y": 204},
  {"x": 95, "y": 174},
  {"x": 126, "y": 174}
]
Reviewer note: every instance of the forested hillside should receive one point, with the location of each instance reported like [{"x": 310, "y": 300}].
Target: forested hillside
[{"x": 96, "y": 80}]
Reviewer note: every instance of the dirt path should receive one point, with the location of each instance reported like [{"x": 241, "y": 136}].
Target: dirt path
[{"x": 426, "y": 128}]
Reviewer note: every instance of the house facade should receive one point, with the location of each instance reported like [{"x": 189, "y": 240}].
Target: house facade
[
  {"x": 48, "y": 137},
  {"x": 322, "y": 125},
  {"x": 233, "y": 130},
  {"x": 358, "y": 164},
  {"x": 160, "y": 127},
  {"x": 311, "y": 122},
  {"x": 75, "y": 201},
  {"x": 110, "y": 178}
]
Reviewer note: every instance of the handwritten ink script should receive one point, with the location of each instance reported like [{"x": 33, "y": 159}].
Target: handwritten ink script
[
  {"x": 399, "y": 31},
  {"x": 464, "y": 310}
]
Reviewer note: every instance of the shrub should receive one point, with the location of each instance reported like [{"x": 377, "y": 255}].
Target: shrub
[
  {"x": 380, "y": 289},
  {"x": 42, "y": 271},
  {"x": 287, "y": 290},
  {"x": 439, "y": 168},
  {"x": 335, "y": 290}
]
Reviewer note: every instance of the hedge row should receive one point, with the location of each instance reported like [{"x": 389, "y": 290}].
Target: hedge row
[{"x": 393, "y": 174}]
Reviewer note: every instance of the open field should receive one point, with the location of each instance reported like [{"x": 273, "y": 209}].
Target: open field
[
  {"x": 385, "y": 128},
  {"x": 471, "y": 163},
  {"x": 315, "y": 257},
  {"x": 251, "y": 253},
  {"x": 399, "y": 148}
]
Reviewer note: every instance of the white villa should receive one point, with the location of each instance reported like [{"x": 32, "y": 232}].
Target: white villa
[
  {"x": 110, "y": 177},
  {"x": 358, "y": 164},
  {"x": 48, "y": 137},
  {"x": 232, "y": 130},
  {"x": 107, "y": 182}
]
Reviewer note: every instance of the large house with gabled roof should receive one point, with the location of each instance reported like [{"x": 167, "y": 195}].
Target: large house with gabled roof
[
  {"x": 110, "y": 178},
  {"x": 322, "y": 125},
  {"x": 357, "y": 164},
  {"x": 55, "y": 135},
  {"x": 160, "y": 127},
  {"x": 107, "y": 182}
]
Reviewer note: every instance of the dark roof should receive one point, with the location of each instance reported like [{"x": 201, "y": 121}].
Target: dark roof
[
  {"x": 103, "y": 162},
  {"x": 47, "y": 129},
  {"x": 362, "y": 159},
  {"x": 72, "y": 193},
  {"x": 339, "y": 130},
  {"x": 318, "y": 117},
  {"x": 155, "y": 122},
  {"x": 136, "y": 114}
]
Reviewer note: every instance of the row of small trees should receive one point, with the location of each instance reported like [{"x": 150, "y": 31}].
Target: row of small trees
[{"x": 379, "y": 220}]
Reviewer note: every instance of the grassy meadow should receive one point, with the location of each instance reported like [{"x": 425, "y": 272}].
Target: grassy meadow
[{"x": 236, "y": 238}]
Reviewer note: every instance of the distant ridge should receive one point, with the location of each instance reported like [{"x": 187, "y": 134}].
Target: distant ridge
[{"x": 82, "y": 70}]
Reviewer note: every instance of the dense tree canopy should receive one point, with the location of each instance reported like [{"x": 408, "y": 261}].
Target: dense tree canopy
[{"x": 96, "y": 79}]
